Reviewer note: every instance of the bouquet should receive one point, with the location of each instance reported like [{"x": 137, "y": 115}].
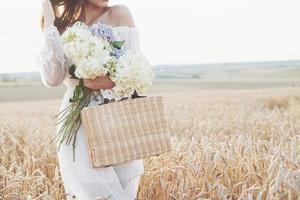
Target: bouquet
[{"x": 94, "y": 51}]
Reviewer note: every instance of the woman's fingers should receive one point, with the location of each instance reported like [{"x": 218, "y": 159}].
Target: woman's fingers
[
  {"x": 97, "y": 79},
  {"x": 103, "y": 82},
  {"x": 49, "y": 16},
  {"x": 92, "y": 83}
]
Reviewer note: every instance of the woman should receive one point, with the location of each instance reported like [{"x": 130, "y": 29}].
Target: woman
[{"x": 81, "y": 180}]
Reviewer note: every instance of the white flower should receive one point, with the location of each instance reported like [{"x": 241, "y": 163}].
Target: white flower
[
  {"x": 76, "y": 51},
  {"x": 89, "y": 53},
  {"x": 133, "y": 72},
  {"x": 100, "y": 48},
  {"x": 89, "y": 68},
  {"x": 78, "y": 32}
]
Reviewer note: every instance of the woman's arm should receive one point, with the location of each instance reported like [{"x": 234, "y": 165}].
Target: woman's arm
[{"x": 50, "y": 57}]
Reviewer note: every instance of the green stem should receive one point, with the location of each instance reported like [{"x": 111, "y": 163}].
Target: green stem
[
  {"x": 72, "y": 121},
  {"x": 67, "y": 108}
]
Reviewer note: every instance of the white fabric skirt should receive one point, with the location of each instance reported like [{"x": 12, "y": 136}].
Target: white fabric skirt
[{"x": 81, "y": 180}]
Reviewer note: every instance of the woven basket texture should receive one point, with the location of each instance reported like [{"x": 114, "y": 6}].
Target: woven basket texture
[{"x": 130, "y": 129}]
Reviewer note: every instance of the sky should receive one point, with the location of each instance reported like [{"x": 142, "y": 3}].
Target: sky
[{"x": 175, "y": 32}]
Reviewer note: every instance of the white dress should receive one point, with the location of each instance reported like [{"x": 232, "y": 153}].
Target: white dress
[{"x": 81, "y": 180}]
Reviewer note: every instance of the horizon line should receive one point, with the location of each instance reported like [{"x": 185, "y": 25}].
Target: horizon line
[{"x": 207, "y": 63}]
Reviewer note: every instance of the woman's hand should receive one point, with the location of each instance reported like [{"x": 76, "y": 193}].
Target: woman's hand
[
  {"x": 49, "y": 16},
  {"x": 100, "y": 82}
]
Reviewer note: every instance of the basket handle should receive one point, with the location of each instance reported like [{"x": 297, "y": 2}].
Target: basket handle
[{"x": 133, "y": 96}]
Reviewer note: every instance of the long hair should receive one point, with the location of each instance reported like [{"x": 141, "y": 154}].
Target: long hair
[{"x": 71, "y": 10}]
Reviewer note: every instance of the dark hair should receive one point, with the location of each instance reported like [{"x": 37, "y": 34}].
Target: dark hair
[{"x": 71, "y": 10}]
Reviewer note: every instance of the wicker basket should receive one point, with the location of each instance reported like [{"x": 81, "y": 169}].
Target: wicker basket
[{"x": 126, "y": 130}]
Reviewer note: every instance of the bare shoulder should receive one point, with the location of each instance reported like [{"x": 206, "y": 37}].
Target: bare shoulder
[{"x": 122, "y": 15}]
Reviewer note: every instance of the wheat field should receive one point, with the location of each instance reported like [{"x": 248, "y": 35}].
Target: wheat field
[{"x": 227, "y": 144}]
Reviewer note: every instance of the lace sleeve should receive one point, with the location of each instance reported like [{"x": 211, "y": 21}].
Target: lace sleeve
[{"x": 50, "y": 57}]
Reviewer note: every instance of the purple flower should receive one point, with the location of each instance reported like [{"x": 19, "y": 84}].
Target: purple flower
[
  {"x": 117, "y": 53},
  {"x": 102, "y": 30}
]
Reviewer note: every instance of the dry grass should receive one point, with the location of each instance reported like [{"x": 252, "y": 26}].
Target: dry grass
[{"x": 242, "y": 144}]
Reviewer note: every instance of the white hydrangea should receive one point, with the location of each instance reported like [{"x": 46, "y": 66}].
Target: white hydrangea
[
  {"x": 88, "y": 53},
  {"x": 133, "y": 72},
  {"x": 100, "y": 48},
  {"x": 76, "y": 51},
  {"x": 89, "y": 68},
  {"x": 78, "y": 32}
]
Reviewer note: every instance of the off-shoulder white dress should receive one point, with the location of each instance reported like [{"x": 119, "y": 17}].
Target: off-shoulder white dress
[{"x": 81, "y": 180}]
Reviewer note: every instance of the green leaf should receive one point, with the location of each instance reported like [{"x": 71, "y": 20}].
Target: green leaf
[
  {"x": 118, "y": 44},
  {"x": 78, "y": 92}
]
